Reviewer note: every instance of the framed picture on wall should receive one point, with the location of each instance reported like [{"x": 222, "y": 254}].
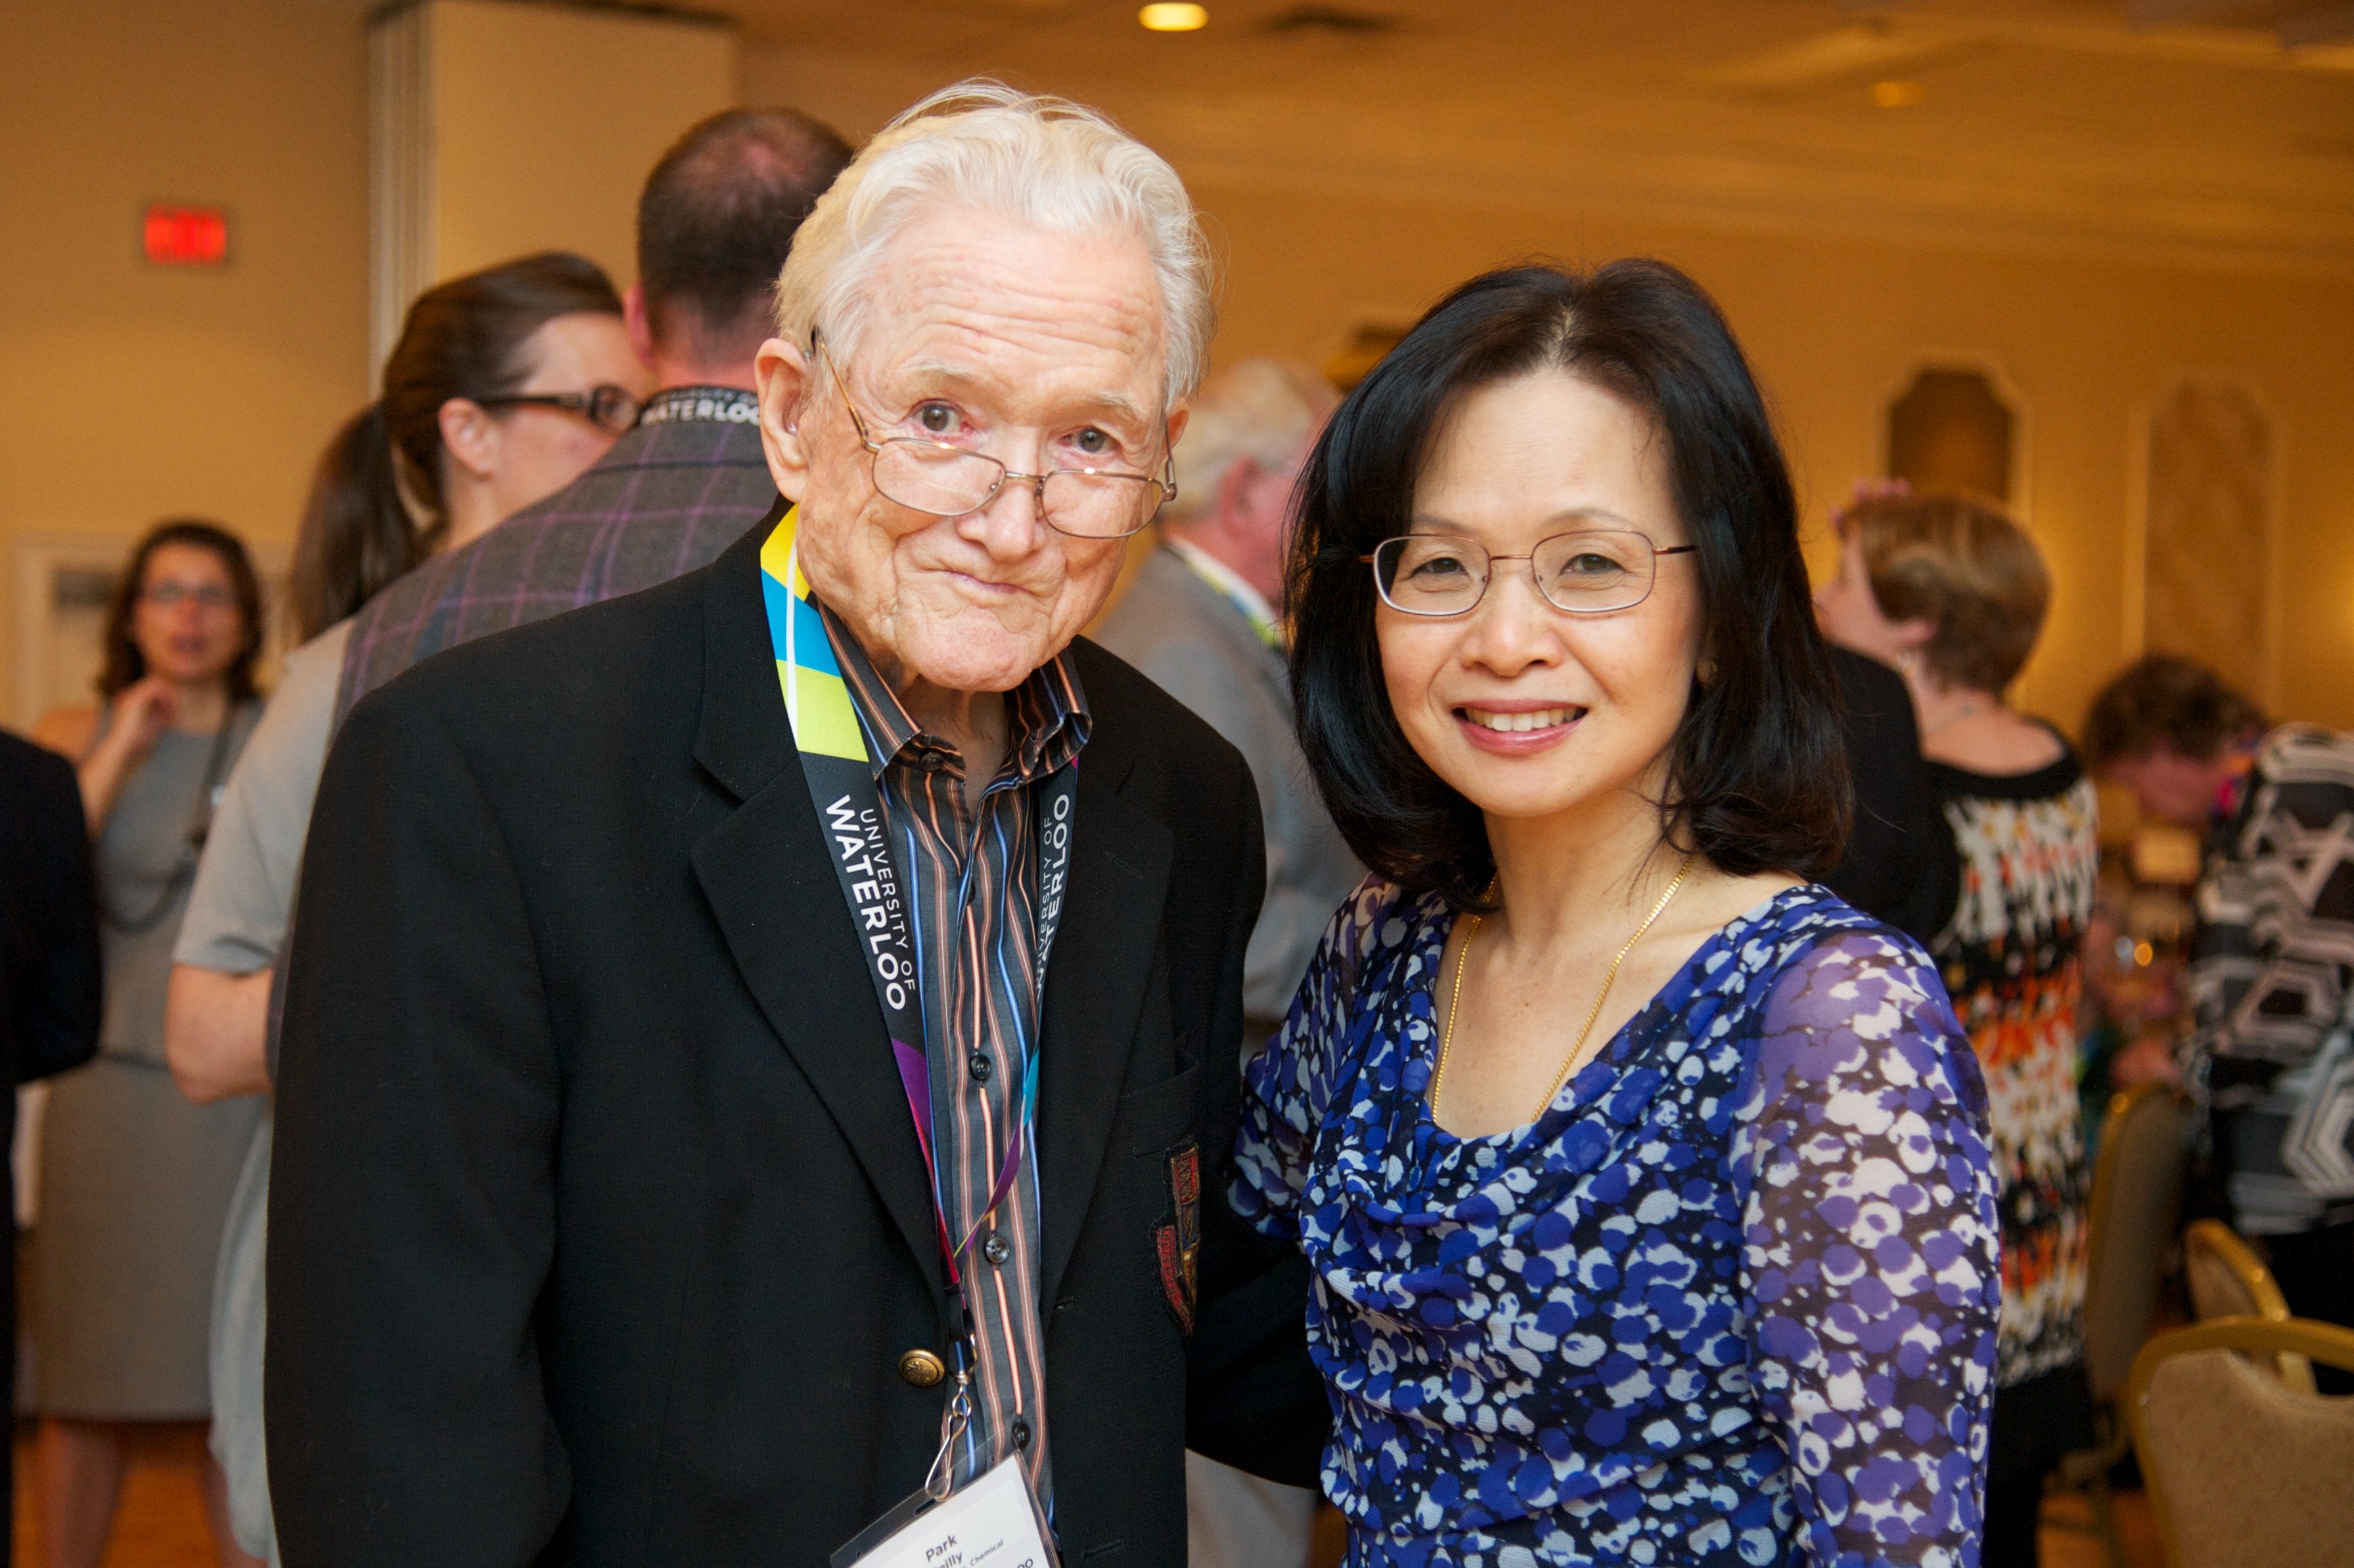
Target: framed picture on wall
[
  {"x": 2204, "y": 576},
  {"x": 1954, "y": 422}
]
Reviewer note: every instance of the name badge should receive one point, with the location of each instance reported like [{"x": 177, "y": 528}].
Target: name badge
[{"x": 992, "y": 1523}]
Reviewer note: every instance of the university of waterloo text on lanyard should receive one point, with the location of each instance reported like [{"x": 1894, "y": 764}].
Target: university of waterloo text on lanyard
[{"x": 996, "y": 1517}]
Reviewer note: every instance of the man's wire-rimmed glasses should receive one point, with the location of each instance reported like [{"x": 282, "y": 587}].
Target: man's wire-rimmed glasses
[
  {"x": 948, "y": 481},
  {"x": 606, "y": 405},
  {"x": 1589, "y": 572}
]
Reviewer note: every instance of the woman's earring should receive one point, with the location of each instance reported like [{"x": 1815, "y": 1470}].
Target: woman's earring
[{"x": 1705, "y": 673}]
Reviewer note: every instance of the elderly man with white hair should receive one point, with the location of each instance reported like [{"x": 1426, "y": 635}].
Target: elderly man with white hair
[{"x": 766, "y": 1048}]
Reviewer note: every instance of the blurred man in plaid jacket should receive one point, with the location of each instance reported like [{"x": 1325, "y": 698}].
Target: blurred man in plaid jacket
[{"x": 715, "y": 224}]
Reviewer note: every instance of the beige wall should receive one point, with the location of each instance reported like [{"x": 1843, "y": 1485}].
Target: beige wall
[
  {"x": 128, "y": 392},
  {"x": 548, "y": 120},
  {"x": 1833, "y": 326}
]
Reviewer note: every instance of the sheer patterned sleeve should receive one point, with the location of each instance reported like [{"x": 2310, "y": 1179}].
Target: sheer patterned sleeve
[
  {"x": 1289, "y": 1084},
  {"x": 1872, "y": 1256}
]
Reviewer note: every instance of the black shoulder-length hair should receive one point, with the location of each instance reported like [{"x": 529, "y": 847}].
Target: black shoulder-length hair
[{"x": 1757, "y": 774}]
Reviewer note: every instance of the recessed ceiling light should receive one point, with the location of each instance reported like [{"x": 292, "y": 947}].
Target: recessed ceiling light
[
  {"x": 1897, "y": 94},
  {"x": 1174, "y": 18}
]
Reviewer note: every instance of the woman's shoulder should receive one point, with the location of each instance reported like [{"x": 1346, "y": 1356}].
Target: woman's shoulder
[
  {"x": 1843, "y": 987},
  {"x": 1375, "y": 945},
  {"x": 68, "y": 730},
  {"x": 1381, "y": 918},
  {"x": 1809, "y": 929},
  {"x": 2018, "y": 757}
]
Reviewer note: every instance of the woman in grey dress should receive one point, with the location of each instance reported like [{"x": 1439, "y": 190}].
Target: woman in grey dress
[{"x": 134, "y": 1178}]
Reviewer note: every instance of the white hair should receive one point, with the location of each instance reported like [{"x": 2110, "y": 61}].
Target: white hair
[
  {"x": 1046, "y": 162},
  {"x": 1263, "y": 409}
]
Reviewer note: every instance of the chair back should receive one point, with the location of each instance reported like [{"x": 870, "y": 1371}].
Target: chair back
[
  {"x": 2136, "y": 1197},
  {"x": 2245, "y": 1471},
  {"x": 2229, "y": 1280}
]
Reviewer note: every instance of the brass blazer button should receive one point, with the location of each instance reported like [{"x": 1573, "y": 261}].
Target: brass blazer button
[{"x": 922, "y": 1368}]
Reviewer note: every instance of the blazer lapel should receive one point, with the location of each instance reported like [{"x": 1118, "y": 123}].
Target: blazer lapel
[
  {"x": 1095, "y": 980},
  {"x": 773, "y": 891}
]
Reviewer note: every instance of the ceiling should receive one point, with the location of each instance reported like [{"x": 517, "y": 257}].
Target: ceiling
[{"x": 2105, "y": 126}]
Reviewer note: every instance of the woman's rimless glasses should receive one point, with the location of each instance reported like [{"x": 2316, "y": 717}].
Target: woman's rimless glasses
[{"x": 1589, "y": 572}]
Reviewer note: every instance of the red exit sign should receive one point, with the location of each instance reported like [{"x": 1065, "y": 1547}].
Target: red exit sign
[{"x": 184, "y": 236}]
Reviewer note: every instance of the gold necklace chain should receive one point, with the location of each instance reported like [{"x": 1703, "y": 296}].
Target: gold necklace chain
[{"x": 1454, "y": 998}]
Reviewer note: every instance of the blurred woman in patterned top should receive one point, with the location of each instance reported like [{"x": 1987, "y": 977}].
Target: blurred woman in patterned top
[{"x": 1952, "y": 592}]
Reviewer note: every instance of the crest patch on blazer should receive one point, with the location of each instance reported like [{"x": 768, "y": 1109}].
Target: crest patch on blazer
[{"x": 1177, "y": 1241}]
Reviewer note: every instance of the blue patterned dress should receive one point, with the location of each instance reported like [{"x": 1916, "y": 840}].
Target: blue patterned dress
[{"x": 1731, "y": 1300}]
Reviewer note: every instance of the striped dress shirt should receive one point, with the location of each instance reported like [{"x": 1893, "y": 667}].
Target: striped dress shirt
[{"x": 972, "y": 879}]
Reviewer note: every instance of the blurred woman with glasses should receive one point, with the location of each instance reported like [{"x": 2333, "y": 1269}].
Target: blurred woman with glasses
[
  {"x": 135, "y": 1180},
  {"x": 504, "y": 385},
  {"x": 1952, "y": 593},
  {"x": 1644, "y": 1183}
]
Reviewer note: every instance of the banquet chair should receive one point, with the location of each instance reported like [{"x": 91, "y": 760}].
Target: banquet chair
[
  {"x": 2228, "y": 1279},
  {"x": 2245, "y": 1471},
  {"x": 2136, "y": 1197}
]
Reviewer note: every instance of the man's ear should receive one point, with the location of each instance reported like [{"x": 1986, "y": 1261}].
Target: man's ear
[
  {"x": 1239, "y": 491},
  {"x": 471, "y": 436},
  {"x": 781, "y": 372},
  {"x": 638, "y": 325}
]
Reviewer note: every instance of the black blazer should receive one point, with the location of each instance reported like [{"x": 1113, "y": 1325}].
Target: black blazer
[
  {"x": 49, "y": 999},
  {"x": 598, "y": 1224}
]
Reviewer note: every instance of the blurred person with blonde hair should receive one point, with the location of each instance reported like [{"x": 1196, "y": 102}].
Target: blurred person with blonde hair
[
  {"x": 1202, "y": 619},
  {"x": 1953, "y": 592}
]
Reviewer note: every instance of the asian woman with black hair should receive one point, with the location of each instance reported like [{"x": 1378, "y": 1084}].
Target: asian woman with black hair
[{"x": 1644, "y": 1183}]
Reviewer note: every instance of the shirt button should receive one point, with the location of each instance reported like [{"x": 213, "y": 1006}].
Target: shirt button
[
  {"x": 930, "y": 761},
  {"x": 995, "y": 1249},
  {"x": 1022, "y": 1432},
  {"x": 979, "y": 1066}
]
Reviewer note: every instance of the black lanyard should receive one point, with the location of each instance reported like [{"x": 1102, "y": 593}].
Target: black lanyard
[{"x": 836, "y": 754}]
